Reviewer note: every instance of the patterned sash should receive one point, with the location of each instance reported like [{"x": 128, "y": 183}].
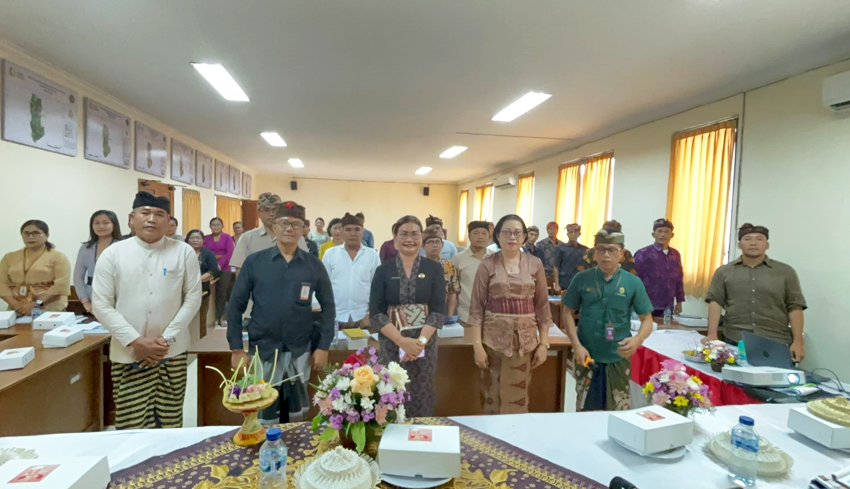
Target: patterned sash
[
  {"x": 408, "y": 316},
  {"x": 514, "y": 306}
]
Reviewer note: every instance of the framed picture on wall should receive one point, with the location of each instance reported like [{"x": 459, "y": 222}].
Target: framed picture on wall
[
  {"x": 151, "y": 150},
  {"x": 235, "y": 181},
  {"x": 107, "y": 135},
  {"x": 246, "y": 186},
  {"x": 182, "y": 162},
  {"x": 38, "y": 112},
  {"x": 203, "y": 170},
  {"x": 222, "y": 176}
]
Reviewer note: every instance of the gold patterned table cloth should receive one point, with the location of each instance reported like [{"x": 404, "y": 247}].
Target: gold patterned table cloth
[{"x": 216, "y": 463}]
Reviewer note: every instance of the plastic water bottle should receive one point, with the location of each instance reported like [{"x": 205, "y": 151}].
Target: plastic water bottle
[
  {"x": 742, "y": 353},
  {"x": 668, "y": 317},
  {"x": 335, "y": 340},
  {"x": 273, "y": 455},
  {"x": 36, "y": 310},
  {"x": 743, "y": 467}
]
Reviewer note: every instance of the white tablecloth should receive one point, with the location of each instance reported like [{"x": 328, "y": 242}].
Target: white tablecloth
[{"x": 578, "y": 442}]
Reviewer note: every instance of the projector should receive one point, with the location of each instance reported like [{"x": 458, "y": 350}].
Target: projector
[{"x": 764, "y": 376}]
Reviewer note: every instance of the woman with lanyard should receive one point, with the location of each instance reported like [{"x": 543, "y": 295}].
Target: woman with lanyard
[
  {"x": 605, "y": 297},
  {"x": 104, "y": 230},
  {"x": 36, "y": 273},
  {"x": 509, "y": 319},
  {"x": 407, "y": 306}
]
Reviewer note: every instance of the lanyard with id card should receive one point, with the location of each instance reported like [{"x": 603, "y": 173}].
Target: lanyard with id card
[
  {"x": 610, "y": 327},
  {"x": 304, "y": 292}
]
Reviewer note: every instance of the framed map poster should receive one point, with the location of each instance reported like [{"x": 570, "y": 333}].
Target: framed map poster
[
  {"x": 204, "y": 170},
  {"x": 246, "y": 185},
  {"x": 107, "y": 135},
  {"x": 222, "y": 176},
  {"x": 38, "y": 112},
  {"x": 235, "y": 180},
  {"x": 182, "y": 162},
  {"x": 151, "y": 150}
]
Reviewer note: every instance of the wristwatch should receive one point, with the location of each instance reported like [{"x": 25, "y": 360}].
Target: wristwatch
[
  {"x": 170, "y": 340},
  {"x": 423, "y": 340},
  {"x": 545, "y": 344}
]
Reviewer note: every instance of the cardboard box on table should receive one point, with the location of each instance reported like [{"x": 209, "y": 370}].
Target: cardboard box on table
[
  {"x": 454, "y": 330},
  {"x": 827, "y": 433},
  {"x": 55, "y": 473},
  {"x": 53, "y": 320},
  {"x": 7, "y": 319},
  {"x": 14, "y": 358},
  {"x": 431, "y": 452},
  {"x": 62, "y": 337},
  {"x": 651, "y": 429},
  {"x": 356, "y": 338}
]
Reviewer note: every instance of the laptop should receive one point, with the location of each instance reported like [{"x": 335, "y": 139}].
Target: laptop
[{"x": 764, "y": 352}]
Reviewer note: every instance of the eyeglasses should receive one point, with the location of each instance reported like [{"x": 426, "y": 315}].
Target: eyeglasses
[
  {"x": 414, "y": 235},
  {"x": 32, "y": 234},
  {"x": 434, "y": 241},
  {"x": 606, "y": 251},
  {"x": 286, "y": 225},
  {"x": 505, "y": 233}
]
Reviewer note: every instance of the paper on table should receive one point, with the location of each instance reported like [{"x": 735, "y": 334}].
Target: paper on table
[
  {"x": 89, "y": 326},
  {"x": 555, "y": 332}
]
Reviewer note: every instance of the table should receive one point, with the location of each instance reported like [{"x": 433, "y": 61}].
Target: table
[
  {"x": 664, "y": 344},
  {"x": 60, "y": 391},
  {"x": 458, "y": 377},
  {"x": 576, "y": 441}
]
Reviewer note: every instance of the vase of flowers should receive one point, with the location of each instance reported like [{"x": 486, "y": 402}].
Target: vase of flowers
[
  {"x": 674, "y": 389},
  {"x": 718, "y": 353},
  {"x": 360, "y": 398}
]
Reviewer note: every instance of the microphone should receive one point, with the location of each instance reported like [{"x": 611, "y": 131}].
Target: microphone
[{"x": 620, "y": 483}]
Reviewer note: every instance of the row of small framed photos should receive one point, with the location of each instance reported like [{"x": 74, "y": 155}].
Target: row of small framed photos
[{"x": 40, "y": 113}]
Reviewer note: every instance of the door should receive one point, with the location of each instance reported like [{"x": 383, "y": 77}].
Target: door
[
  {"x": 250, "y": 215},
  {"x": 158, "y": 189}
]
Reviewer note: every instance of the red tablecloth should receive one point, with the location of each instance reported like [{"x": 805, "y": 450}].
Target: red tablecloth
[{"x": 646, "y": 362}]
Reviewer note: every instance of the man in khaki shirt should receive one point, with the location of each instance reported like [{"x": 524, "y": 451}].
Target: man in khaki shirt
[
  {"x": 760, "y": 295},
  {"x": 467, "y": 261}
]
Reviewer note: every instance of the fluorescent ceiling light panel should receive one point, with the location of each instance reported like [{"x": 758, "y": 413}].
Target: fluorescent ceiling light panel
[
  {"x": 296, "y": 163},
  {"x": 424, "y": 170},
  {"x": 453, "y": 151},
  {"x": 221, "y": 80},
  {"x": 273, "y": 139},
  {"x": 525, "y": 103}
]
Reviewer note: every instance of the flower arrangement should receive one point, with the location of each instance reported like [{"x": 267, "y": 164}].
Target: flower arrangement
[
  {"x": 719, "y": 354},
  {"x": 251, "y": 387},
  {"x": 360, "y": 396},
  {"x": 674, "y": 389}
]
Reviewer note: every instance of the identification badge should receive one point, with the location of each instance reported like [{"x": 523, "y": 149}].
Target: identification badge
[
  {"x": 305, "y": 292},
  {"x": 22, "y": 291},
  {"x": 609, "y": 331}
]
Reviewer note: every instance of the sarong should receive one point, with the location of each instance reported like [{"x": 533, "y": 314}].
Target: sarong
[
  {"x": 152, "y": 397},
  {"x": 604, "y": 387}
]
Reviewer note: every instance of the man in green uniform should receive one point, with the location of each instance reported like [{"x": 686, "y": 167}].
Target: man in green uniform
[{"x": 605, "y": 297}]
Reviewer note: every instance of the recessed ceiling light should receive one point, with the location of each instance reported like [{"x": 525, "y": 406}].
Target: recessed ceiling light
[
  {"x": 453, "y": 151},
  {"x": 525, "y": 103},
  {"x": 221, "y": 80},
  {"x": 273, "y": 139},
  {"x": 424, "y": 170},
  {"x": 296, "y": 163}
]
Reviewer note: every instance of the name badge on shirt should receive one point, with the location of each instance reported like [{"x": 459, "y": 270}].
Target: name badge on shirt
[
  {"x": 22, "y": 291},
  {"x": 609, "y": 331},
  {"x": 304, "y": 296}
]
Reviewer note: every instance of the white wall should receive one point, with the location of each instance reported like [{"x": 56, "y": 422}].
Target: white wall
[
  {"x": 64, "y": 191},
  {"x": 793, "y": 179},
  {"x": 382, "y": 203}
]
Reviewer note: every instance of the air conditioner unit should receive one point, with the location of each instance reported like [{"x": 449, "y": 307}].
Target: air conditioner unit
[
  {"x": 505, "y": 181},
  {"x": 836, "y": 92}
]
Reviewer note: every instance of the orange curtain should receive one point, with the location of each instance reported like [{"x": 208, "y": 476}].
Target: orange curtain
[
  {"x": 229, "y": 210},
  {"x": 595, "y": 185},
  {"x": 525, "y": 197},
  {"x": 191, "y": 210},
  {"x": 463, "y": 216},
  {"x": 698, "y": 194},
  {"x": 566, "y": 200},
  {"x": 482, "y": 208}
]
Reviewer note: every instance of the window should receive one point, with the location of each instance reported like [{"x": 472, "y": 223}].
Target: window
[
  {"x": 191, "y": 210},
  {"x": 525, "y": 197},
  {"x": 229, "y": 210},
  {"x": 482, "y": 208},
  {"x": 584, "y": 190},
  {"x": 698, "y": 199},
  {"x": 463, "y": 216}
]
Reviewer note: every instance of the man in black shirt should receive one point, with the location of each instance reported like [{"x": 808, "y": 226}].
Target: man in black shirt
[{"x": 282, "y": 280}]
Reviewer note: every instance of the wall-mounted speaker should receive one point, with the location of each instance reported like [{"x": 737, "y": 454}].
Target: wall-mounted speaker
[
  {"x": 426, "y": 191},
  {"x": 293, "y": 185}
]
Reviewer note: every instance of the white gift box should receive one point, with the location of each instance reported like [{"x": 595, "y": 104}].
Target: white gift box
[
  {"x": 7, "y": 319},
  {"x": 16, "y": 357},
  {"x": 52, "y": 320},
  {"x": 650, "y": 429},
  {"x": 420, "y": 451},
  {"x": 826, "y": 433},
  {"x": 62, "y": 337},
  {"x": 451, "y": 331},
  {"x": 56, "y": 473},
  {"x": 355, "y": 338}
]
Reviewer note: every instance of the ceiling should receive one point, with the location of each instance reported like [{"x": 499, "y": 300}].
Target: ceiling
[{"x": 374, "y": 89}]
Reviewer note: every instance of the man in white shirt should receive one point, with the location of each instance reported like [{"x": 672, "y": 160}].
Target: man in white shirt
[
  {"x": 147, "y": 293},
  {"x": 351, "y": 268},
  {"x": 467, "y": 261}
]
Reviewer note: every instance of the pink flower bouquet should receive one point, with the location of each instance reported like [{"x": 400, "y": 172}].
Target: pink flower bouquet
[
  {"x": 674, "y": 389},
  {"x": 360, "y": 396},
  {"x": 718, "y": 353}
]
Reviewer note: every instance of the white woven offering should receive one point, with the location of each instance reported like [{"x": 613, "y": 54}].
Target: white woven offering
[
  {"x": 338, "y": 469},
  {"x": 773, "y": 462}
]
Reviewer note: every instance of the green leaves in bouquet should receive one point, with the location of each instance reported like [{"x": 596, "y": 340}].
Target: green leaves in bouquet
[
  {"x": 327, "y": 434},
  {"x": 316, "y": 422},
  {"x": 358, "y": 434}
]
